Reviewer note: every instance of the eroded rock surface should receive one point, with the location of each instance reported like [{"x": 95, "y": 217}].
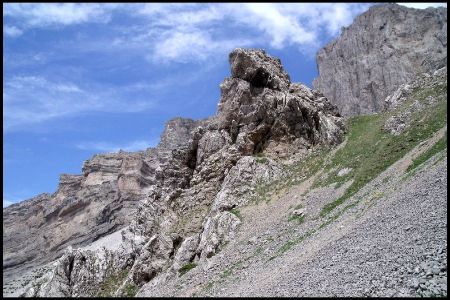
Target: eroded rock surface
[
  {"x": 399, "y": 122},
  {"x": 185, "y": 193},
  {"x": 384, "y": 47},
  {"x": 85, "y": 207}
]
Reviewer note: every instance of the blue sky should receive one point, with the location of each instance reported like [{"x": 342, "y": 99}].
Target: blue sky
[{"x": 81, "y": 79}]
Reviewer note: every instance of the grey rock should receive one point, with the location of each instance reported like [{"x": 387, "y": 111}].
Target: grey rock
[
  {"x": 299, "y": 212},
  {"x": 384, "y": 47},
  {"x": 414, "y": 283},
  {"x": 258, "y": 68},
  {"x": 400, "y": 121},
  {"x": 102, "y": 200},
  {"x": 217, "y": 229},
  {"x": 344, "y": 172},
  {"x": 186, "y": 252},
  {"x": 173, "y": 200},
  {"x": 252, "y": 240},
  {"x": 247, "y": 173}
]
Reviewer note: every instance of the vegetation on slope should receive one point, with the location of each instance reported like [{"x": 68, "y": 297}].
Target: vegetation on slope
[
  {"x": 370, "y": 149},
  {"x": 436, "y": 148},
  {"x": 186, "y": 268}
]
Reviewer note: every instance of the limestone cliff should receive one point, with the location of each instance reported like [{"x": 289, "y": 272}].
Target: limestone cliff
[
  {"x": 181, "y": 193},
  {"x": 384, "y": 47},
  {"x": 85, "y": 207}
]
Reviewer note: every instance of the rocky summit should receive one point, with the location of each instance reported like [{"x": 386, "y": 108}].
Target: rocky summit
[
  {"x": 283, "y": 192},
  {"x": 175, "y": 199},
  {"x": 384, "y": 47}
]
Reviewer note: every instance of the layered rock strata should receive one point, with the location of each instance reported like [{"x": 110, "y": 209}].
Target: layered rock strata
[
  {"x": 86, "y": 207},
  {"x": 187, "y": 194}
]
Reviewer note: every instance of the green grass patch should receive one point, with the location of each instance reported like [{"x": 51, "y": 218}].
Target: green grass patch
[
  {"x": 442, "y": 155},
  {"x": 289, "y": 244},
  {"x": 260, "y": 158},
  {"x": 308, "y": 166},
  {"x": 436, "y": 148},
  {"x": 298, "y": 172},
  {"x": 337, "y": 215},
  {"x": 186, "y": 268},
  {"x": 226, "y": 273},
  {"x": 298, "y": 219},
  {"x": 237, "y": 213},
  {"x": 205, "y": 289},
  {"x": 130, "y": 290},
  {"x": 208, "y": 287},
  {"x": 111, "y": 283},
  {"x": 370, "y": 149}
]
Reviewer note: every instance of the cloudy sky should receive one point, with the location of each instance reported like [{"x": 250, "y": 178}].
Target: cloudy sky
[{"x": 81, "y": 79}]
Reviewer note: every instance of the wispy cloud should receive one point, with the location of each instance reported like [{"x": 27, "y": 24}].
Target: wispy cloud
[
  {"x": 160, "y": 33},
  {"x": 178, "y": 32},
  {"x": 110, "y": 147},
  {"x": 45, "y": 14},
  {"x": 12, "y": 31},
  {"x": 194, "y": 32},
  {"x": 193, "y": 45},
  {"x": 34, "y": 99}
]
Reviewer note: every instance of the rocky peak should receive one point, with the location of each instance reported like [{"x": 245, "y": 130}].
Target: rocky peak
[
  {"x": 258, "y": 68},
  {"x": 384, "y": 47},
  {"x": 176, "y": 198},
  {"x": 274, "y": 110}
]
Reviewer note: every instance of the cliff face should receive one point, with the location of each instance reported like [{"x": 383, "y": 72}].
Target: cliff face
[
  {"x": 85, "y": 207},
  {"x": 183, "y": 190},
  {"x": 384, "y": 47}
]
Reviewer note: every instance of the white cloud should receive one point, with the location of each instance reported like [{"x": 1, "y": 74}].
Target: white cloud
[
  {"x": 178, "y": 32},
  {"x": 109, "y": 147},
  {"x": 280, "y": 27},
  {"x": 44, "y": 14},
  {"x": 12, "y": 31},
  {"x": 423, "y": 5},
  {"x": 187, "y": 46},
  {"x": 34, "y": 99},
  {"x": 195, "y": 32}
]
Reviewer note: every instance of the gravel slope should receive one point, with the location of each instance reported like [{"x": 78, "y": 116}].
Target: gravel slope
[
  {"x": 397, "y": 248},
  {"x": 393, "y": 242}
]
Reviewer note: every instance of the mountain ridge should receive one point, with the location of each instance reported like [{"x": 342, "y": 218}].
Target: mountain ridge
[{"x": 277, "y": 156}]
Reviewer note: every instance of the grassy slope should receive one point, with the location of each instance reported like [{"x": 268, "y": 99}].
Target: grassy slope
[
  {"x": 370, "y": 149},
  {"x": 438, "y": 147},
  {"x": 368, "y": 152}
]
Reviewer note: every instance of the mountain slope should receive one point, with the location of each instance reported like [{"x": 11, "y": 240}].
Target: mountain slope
[
  {"x": 85, "y": 207},
  {"x": 186, "y": 194},
  {"x": 276, "y": 194},
  {"x": 386, "y": 239}
]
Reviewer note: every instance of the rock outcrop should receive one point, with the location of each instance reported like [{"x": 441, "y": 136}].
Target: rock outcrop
[
  {"x": 85, "y": 207},
  {"x": 384, "y": 47},
  {"x": 186, "y": 187},
  {"x": 399, "y": 122}
]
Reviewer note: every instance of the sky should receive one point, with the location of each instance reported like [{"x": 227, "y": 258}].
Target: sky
[{"x": 83, "y": 79}]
